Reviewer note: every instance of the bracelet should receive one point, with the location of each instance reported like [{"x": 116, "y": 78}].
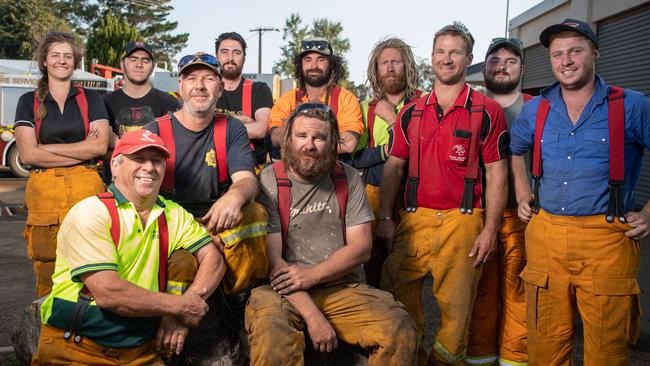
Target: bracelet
[{"x": 385, "y": 218}]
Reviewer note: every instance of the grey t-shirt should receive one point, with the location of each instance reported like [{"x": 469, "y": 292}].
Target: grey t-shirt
[
  {"x": 511, "y": 113},
  {"x": 314, "y": 224}
]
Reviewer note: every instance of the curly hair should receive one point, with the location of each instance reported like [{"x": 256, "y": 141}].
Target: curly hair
[
  {"x": 410, "y": 66},
  {"x": 40, "y": 55},
  {"x": 336, "y": 67},
  {"x": 320, "y": 111},
  {"x": 457, "y": 29}
]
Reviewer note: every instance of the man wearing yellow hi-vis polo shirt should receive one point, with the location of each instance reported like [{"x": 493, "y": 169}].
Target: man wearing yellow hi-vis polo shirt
[{"x": 115, "y": 252}]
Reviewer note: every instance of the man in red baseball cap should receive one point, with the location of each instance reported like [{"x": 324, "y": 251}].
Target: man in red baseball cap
[{"x": 116, "y": 298}]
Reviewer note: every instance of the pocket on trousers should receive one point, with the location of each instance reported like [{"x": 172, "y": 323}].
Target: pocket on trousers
[
  {"x": 534, "y": 282},
  {"x": 40, "y": 235},
  {"x": 617, "y": 301}
]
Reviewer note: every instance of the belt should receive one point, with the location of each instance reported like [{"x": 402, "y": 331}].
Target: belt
[{"x": 88, "y": 164}]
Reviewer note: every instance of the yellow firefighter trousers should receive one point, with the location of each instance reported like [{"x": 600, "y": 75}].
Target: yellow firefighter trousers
[
  {"x": 437, "y": 242},
  {"x": 590, "y": 264},
  {"x": 49, "y": 194},
  {"x": 53, "y": 349},
  {"x": 245, "y": 250},
  {"x": 501, "y": 288},
  {"x": 378, "y": 255},
  {"x": 360, "y": 315}
]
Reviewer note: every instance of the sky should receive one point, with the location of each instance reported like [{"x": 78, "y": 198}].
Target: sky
[{"x": 364, "y": 23}]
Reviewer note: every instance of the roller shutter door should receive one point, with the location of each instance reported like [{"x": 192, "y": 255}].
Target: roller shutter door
[
  {"x": 538, "y": 72},
  {"x": 625, "y": 54}
]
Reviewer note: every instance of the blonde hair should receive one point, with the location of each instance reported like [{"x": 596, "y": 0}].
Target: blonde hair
[{"x": 410, "y": 66}]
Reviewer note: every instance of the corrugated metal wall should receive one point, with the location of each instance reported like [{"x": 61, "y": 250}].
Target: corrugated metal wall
[
  {"x": 625, "y": 62},
  {"x": 538, "y": 72}
]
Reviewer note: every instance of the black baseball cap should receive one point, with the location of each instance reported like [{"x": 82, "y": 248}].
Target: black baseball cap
[
  {"x": 514, "y": 43},
  {"x": 135, "y": 46},
  {"x": 568, "y": 25}
]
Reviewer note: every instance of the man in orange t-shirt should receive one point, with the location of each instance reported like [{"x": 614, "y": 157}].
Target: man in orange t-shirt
[{"x": 318, "y": 72}]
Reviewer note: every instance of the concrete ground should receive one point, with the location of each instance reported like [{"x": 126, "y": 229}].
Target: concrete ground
[{"x": 16, "y": 287}]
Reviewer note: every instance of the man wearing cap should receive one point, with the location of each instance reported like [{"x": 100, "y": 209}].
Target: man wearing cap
[
  {"x": 393, "y": 76},
  {"x": 500, "y": 286},
  {"x": 136, "y": 103},
  {"x": 455, "y": 143},
  {"x": 582, "y": 239},
  {"x": 107, "y": 303},
  {"x": 318, "y": 71},
  {"x": 247, "y": 100},
  {"x": 214, "y": 176}
]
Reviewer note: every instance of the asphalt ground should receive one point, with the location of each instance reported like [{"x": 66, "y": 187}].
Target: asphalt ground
[{"x": 17, "y": 284}]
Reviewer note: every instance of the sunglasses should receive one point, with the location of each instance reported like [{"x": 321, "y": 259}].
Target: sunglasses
[
  {"x": 306, "y": 107},
  {"x": 206, "y": 58},
  {"x": 315, "y": 46}
]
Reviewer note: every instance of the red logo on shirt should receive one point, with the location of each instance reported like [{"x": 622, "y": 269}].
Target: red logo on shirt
[{"x": 459, "y": 151}]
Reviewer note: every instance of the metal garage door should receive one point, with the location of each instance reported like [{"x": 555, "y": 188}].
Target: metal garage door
[
  {"x": 538, "y": 72},
  {"x": 625, "y": 54}
]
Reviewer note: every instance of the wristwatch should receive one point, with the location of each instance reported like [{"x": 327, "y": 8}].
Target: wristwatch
[{"x": 385, "y": 218}]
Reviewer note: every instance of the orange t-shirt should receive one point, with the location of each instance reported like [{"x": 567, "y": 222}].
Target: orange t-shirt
[{"x": 348, "y": 117}]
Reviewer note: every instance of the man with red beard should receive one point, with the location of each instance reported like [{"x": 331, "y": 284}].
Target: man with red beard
[
  {"x": 455, "y": 143},
  {"x": 248, "y": 101},
  {"x": 318, "y": 71},
  {"x": 500, "y": 286},
  {"x": 393, "y": 76},
  {"x": 314, "y": 255}
]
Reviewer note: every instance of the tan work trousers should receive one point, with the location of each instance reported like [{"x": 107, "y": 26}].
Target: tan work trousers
[
  {"x": 49, "y": 195},
  {"x": 588, "y": 264},
  {"x": 501, "y": 288},
  {"x": 361, "y": 316},
  {"x": 437, "y": 242},
  {"x": 245, "y": 250},
  {"x": 53, "y": 349}
]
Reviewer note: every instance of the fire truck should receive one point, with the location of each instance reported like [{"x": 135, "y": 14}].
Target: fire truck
[{"x": 16, "y": 78}]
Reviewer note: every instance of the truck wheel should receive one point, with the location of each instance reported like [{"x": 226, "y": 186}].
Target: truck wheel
[{"x": 17, "y": 167}]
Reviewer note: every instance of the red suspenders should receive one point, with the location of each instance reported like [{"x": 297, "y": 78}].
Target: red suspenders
[
  {"x": 476, "y": 123},
  {"x": 219, "y": 138},
  {"x": 247, "y": 98},
  {"x": 370, "y": 119},
  {"x": 616, "y": 124},
  {"x": 284, "y": 196},
  {"x": 333, "y": 102},
  {"x": 82, "y": 103}
]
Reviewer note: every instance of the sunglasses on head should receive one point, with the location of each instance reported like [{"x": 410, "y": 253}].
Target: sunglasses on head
[
  {"x": 315, "y": 46},
  {"x": 207, "y": 58},
  {"x": 306, "y": 107}
]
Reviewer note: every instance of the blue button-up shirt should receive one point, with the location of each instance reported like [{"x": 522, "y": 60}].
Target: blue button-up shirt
[{"x": 575, "y": 158}]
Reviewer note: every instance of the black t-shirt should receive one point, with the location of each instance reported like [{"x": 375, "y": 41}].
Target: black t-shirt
[
  {"x": 231, "y": 103},
  {"x": 57, "y": 127},
  {"x": 124, "y": 111},
  {"x": 196, "y": 178}
]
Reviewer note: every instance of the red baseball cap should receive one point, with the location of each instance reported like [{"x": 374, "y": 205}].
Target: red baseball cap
[{"x": 137, "y": 140}]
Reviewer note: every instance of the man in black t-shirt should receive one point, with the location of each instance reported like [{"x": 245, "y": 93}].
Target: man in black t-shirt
[
  {"x": 137, "y": 102},
  {"x": 248, "y": 101},
  {"x": 237, "y": 224}
]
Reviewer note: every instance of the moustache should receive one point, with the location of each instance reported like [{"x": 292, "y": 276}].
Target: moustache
[{"x": 230, "y": 63}]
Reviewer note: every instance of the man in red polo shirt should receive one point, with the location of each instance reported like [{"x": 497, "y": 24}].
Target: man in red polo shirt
[{"x": 454, "y": 141}]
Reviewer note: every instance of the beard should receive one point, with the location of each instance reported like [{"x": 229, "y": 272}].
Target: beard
[
  {"x": 317, "y": 80},
  {"x": 233, "y": 73},
  {"x": 309, "y": 165},
  {"x": 500, "y": 87},
  {"x": 393, "y": 83}
]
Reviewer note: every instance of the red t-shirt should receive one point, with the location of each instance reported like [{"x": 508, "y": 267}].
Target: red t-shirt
[{"x": 444, "y": 147}]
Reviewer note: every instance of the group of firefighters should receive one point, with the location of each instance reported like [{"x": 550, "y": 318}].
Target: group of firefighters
[{"x": 520, "y": 207}]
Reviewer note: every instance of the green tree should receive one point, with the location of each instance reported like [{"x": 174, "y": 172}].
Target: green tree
[
  {"x": 426, "y": 74},
  {"x": 23, "y": 24},
  {"x": 106, "y": 42},
  {"x": 80, "y": 14},
  {"x": 294, "y": 32}
]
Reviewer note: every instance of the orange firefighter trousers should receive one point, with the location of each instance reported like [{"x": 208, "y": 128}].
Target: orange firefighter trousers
[
  {"x": 437, "y": 242},
  {"x": 360, "y": 315},
  {"x": 588, "y": 264},
  {"x": 501, "y": 288},
  {"x": 49, "y": 194}
]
